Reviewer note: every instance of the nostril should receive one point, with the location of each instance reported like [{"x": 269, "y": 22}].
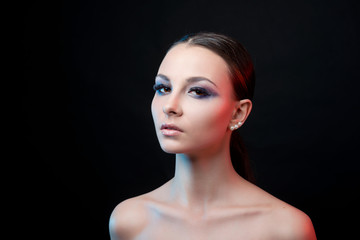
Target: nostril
[
  {"x": 167, "y": 109},
  {"x": 172, "y": 108}
]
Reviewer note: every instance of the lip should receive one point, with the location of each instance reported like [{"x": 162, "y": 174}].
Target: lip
[{"x": 170, "y": 129}]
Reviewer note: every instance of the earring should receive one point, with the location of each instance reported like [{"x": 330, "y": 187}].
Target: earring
[{"x": 236, "y": 126}]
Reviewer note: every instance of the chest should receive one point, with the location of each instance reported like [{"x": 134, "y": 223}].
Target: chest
[{"x": 235, "y": 227}]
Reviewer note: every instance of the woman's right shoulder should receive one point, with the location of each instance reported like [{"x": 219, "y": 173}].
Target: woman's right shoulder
[{"x": 128, "y": 218}]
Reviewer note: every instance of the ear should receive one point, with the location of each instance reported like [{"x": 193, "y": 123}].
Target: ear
[{"x": 241, "y": 111}]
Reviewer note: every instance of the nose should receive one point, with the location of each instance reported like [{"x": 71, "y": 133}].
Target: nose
[{"x": 172, "y": 106}]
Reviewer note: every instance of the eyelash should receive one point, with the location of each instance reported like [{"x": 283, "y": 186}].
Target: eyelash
[
  {"x": 159, "y": 87},
  {"x": 200, "y": 92}
]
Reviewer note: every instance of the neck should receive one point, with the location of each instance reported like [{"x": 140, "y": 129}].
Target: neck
[{"x": 202, "y": 180}]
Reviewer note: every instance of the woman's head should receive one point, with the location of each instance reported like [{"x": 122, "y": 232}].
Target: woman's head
[{"x": 203, "y": 87}]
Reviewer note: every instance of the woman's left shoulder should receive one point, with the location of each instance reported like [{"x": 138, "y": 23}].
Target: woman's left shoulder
[
  {"x": 280, "y": 219},
  {"x": 288, "y": 222}
]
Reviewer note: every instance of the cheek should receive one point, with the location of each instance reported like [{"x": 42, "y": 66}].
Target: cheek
[
  {"x": 154, "y": 108},
  {"x": 210, "y": 119}
]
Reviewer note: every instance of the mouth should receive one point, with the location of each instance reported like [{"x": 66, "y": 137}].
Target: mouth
[{"x": 170, "y": 130}]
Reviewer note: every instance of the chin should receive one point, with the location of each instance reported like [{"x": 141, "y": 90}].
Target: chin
[
  {"x": 178, "y": 148},
  {"x": 174, "y": 147},
  {"x": 187, "y": 146},
  {"x": 171, "y": 149}
]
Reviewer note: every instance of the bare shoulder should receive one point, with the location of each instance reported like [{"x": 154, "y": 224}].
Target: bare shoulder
[
  {"x": 132, "y": 215},
  {"x": 281, "y": 220},
  {"x": 291, "y": 223},
  {"x": 128, "y": 218}
]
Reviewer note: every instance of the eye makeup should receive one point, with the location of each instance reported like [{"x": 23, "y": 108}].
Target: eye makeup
[
  {"x": 196, "y": 92},
  {"x": 200, "y": 92},
  {"x": 162, "y": 86}
]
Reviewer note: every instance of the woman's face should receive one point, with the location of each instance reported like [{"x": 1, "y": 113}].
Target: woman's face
[{"x": 193, "y": 103}]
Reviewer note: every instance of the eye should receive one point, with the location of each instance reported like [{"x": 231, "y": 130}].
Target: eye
[
  {"x": 161, "y": 89},
  {"x": 199, "y": 92}
]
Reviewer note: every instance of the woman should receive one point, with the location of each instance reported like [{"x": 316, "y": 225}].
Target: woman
[{"x": 204, "y": 88}]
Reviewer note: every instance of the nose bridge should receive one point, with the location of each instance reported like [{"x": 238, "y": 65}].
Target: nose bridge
[{"x": 173, "y": 104}]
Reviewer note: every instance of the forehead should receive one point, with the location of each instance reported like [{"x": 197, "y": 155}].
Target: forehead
[{"x": 183, "y": 61}]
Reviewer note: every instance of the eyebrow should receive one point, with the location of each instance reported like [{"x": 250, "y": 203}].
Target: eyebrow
[{"x": 189, "y": 80}]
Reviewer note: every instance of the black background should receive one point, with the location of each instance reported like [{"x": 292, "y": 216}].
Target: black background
[{"x": 87, "y": 134}]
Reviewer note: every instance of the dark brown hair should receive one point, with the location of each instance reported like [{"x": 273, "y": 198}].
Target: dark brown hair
[{"x": 242, "y": 74}]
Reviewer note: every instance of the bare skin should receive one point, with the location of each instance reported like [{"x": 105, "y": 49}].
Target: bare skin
[
  {"x": 247, "y": 213},
  {"x": 206, "y": 198}
]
